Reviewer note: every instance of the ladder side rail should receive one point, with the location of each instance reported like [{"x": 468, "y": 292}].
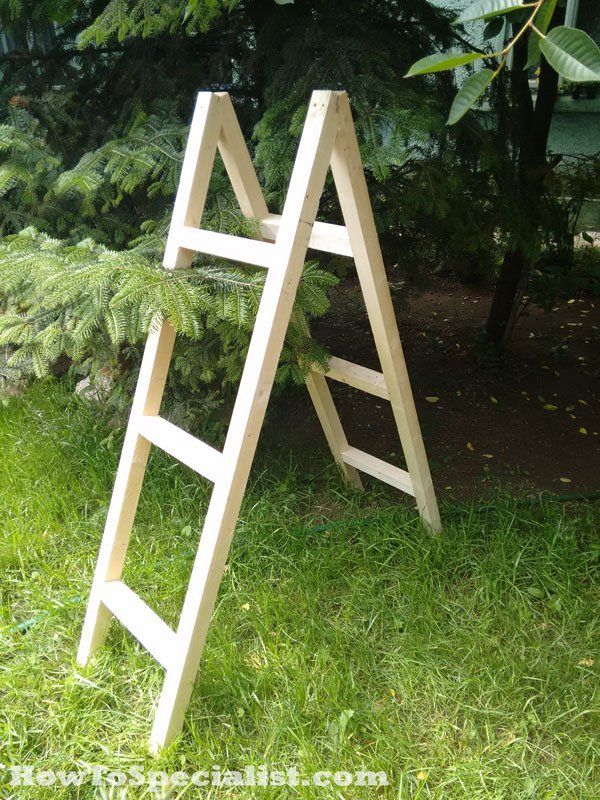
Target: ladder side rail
[
  {"x": 322, "y": 400},
  {"x": 349, "y": 178},
  {"x": 326, "y": 236},
  {"x": 195, "y": 177},
  {"x": 189, "y": 204},
  {"x": 127, "y": 488},
  {"x": 238, "y": 164},
  {"x": 273, "y": 316}
]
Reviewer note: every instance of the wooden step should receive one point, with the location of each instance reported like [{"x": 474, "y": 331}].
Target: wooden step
[
  {"x": 363, "y": 378},
  {"x": 192, "y": 452},
  {"x": 139, "y": 619},
  {"x": 234, "y": 248},
  {"x": 388, "y": 473},
  {"x": 324, "y": 236}
]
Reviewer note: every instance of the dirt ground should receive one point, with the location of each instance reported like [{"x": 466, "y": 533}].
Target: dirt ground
[{"x": 531, "y": 421}]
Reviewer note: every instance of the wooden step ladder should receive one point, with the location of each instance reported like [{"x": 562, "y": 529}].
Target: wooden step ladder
[{"x": 328, "y": 138}]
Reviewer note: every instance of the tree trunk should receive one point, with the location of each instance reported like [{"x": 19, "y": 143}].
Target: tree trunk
[
  {"x": 505, "y": 296},
  {"x": 532, "y": 128}
]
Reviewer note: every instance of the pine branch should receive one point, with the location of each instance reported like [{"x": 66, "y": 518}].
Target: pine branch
[{"x": 65, "y": 298}]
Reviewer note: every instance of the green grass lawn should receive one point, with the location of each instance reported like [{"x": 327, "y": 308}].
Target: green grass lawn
[{"x": 464, "y": 666}]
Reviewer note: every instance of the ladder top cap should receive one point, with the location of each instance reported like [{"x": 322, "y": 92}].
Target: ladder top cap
[
  {"x": 317, "y": 94},
  {"x": 323, "y": 97}
]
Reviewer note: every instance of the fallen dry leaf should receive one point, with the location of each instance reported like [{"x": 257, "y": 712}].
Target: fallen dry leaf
[{"x": 432, "y": 399}]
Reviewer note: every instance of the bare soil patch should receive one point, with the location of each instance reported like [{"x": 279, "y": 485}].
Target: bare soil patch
[{"x": 530, "y": 420}]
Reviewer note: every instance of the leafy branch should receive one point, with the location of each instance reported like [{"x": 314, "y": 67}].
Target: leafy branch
[
  {"x": 70, "y": 300},
  {"x": 570, "y": 51}
]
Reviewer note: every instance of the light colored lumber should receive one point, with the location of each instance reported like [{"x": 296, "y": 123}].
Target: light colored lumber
[
  {"x": 328, "y": 135},
  {"x": 382, "y": 470},
  {"x": 189, "y": 206},
  {"x": 147, "y": 627},
  {"x": 324, "y": 236},
  {"x": 332, "y": 427},
  {"x": 127, "y": 488},
  {"x": 363, "y": 378},
  {"x": 349, "y": 179},
  {"x": 195, "y": 177},
  {"x": 223, "y": 245},
  {"x": 271, "y": 324},
  {"x": 238, "y": 164},
  {"x": 192, "y": 452}
]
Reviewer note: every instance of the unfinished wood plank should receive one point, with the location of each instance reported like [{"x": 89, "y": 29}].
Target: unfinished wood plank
[
  {"x": 349, "y": 179},
  {"x": 378, "y": 468},
  {"x": 192, "y": 452},
  {"x": 328, "y": 134},
  {"x": 271, "y": 324},
  {"x": 331, "y": 424},
  {"x": 238, "y": 164},
  {"x": 363, "y": 378},
  {"x": 223, "y": 245},
  {"x": 189, "y": 206},
  {"x": 147, "y": 627},
  {"x": 195, "y": 176},
  {"x": 127, "y": 488},
  {"x": 325, "y": 236}
]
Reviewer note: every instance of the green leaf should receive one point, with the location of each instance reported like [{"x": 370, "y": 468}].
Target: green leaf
[
  {"x": 483, "y": 9},
  {"x": 442, "y": 61},
  {"x": 469, "y": 93},
  {"x": 572, "y": 53},
  {"x": 544, "y": 15},
  {"x": 542, "y": 20},
  {"x": 493, "y": 28}
]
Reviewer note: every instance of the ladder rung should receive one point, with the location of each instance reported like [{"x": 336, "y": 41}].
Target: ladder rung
[
  {"x": 139, "y": 619},
  {"x": 192, "y": 452},
  {"x": 395, "y": 476},
  {"x": 236, "y": 248},
  {"x": 324, "y": 236},
  {"x": 363, "y": 378}
]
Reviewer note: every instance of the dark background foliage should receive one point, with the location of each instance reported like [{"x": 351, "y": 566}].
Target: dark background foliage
[{"x": 94, "y": 106}]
